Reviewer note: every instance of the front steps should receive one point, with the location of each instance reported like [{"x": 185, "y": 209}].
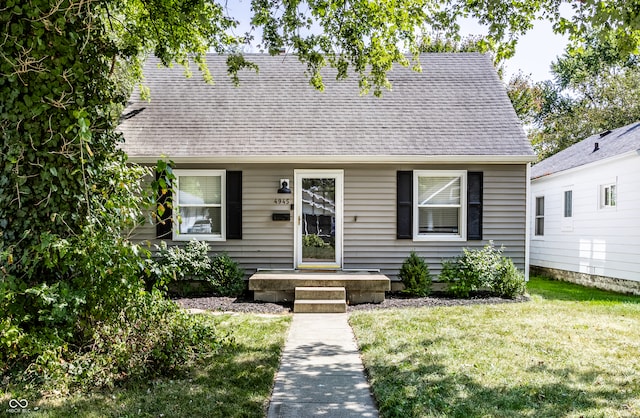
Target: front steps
[
  {"x": 320, "y": 300},
  {"x": 279, "y": 286}
]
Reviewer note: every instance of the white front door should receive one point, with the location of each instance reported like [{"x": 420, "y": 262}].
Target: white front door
[{"x": 318, "y": 218}]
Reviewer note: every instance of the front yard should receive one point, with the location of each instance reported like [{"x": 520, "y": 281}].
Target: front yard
[
  {"x": 570, "y": 352},
  {"x": 236, "y": 382}
]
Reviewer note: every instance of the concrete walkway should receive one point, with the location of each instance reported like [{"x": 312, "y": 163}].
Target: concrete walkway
[{"x": 321, "y": 373}]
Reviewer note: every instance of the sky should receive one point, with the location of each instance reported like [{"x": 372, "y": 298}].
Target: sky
[{"x": 535, "y": 51}]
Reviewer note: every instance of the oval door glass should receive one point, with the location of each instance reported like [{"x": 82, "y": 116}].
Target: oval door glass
[{"x": 318, "y": 223}]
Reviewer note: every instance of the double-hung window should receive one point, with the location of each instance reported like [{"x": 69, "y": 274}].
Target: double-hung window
[
  {"x": 440, "y": 204},
  {"x": 200, "y": 202},
  {"x": 608, "y": 196}
]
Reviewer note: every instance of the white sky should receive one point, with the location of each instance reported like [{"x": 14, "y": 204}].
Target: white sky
[{"x": 534, "y": 53}]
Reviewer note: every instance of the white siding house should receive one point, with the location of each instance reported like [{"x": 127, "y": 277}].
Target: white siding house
[{"x": 585, "y": 212}]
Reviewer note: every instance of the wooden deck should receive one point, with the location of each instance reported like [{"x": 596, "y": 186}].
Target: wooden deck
[{"x": 279, "y": 286}]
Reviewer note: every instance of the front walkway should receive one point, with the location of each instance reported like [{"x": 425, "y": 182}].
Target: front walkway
[{"x": 321, "y": 373}]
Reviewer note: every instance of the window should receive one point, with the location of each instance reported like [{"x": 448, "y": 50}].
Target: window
[
  {"x": 440, "y": 205},
  {"x": 568, "y": 203},
  {"x": 608, "y": 196},
  {"x": 539, "y": 229},
  {"x": 200, "y": 201}
]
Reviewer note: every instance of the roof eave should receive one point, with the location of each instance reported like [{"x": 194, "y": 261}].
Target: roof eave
[
  {"x": 347, "y": 159},
  {"x": 588, "y": 165}
]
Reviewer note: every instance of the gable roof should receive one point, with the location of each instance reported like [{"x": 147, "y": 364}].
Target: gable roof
[
  {"x": 456, "y": 107},
  {"x": 616, "y": 142}
]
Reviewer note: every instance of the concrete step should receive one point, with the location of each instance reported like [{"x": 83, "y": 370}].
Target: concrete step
[
  {"x": 317, "y": 292},
  {"x": 319, "y": 306}
]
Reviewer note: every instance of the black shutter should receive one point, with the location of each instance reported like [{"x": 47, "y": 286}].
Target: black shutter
[
  {"x": 404, "y": 205},
  {"x": 163, "y": 223},
  {"x": 234, "y": 204},
  {"x": 474, "y": 205}
]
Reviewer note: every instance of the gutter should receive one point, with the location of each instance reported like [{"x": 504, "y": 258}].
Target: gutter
[
  {"x": 331, "y": 159},
  {"x": 588, "y": 165}
]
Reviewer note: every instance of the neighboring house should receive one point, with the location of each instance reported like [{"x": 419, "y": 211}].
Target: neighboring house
[
  {"x": 586, "y": 211},
  {"x": 282, "y": 176}
]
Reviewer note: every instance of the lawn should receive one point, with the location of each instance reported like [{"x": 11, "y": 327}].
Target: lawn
[
  {"x": 235, "y": 382},
  {"x": 570, "y": 352}
]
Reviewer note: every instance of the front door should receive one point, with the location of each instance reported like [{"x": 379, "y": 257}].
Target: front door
[{"x": 318, "y": 218}]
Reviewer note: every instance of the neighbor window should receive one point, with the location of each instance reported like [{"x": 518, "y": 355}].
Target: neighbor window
[
  {"x": 199, "y": 200},
  {"x": 440, "y": 204},
  {"x": 539, "y": 229},
  {"x": 608, "y": 196},
  {"x": 568, "y": 203}
]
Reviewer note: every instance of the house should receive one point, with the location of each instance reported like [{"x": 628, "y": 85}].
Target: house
[
  {"x": 586, "y": 212},
  {"x": 284, "y": 177}
]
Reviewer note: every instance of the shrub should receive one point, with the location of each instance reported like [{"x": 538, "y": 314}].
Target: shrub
[
  {"x": 227, "y": 278},
  {"x": 509, "y": 282},
  {"x": 460, "y": 283},
  {"x": 98, "y": 326},
  {"x": 151, "y": 338},
  {"x": 486, "y": 267},
  {"x": 192, "y": 262},
  {"x": 176, "y": 263},
  {"x": 415, "y": 275}
]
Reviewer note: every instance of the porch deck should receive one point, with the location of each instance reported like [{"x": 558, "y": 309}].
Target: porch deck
[{"x": 279, "y": 286}]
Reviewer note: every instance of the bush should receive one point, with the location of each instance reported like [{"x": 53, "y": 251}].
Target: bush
[
  {"x": 192, "y": 262},
  {"x": 460, "y": 283},
  {"x": 73, "y": 306},
  {"x": 176, "y": 263},
  {"x": 415, "y": 276},
  {"x": 227, "y": 278},
  {"x": 98, "y": 326},
  {"x": 484, "y": 268},
  {"x": 153, "y": 337},
  {"x": 509, "y": 282}
]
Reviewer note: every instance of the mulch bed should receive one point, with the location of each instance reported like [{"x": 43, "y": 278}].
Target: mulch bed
[{"x": 246, "y": 304}]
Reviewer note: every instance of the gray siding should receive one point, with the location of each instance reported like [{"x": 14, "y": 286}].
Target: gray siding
[{"x": 369, "y": 218}]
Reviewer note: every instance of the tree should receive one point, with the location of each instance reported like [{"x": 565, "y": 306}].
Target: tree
[{"x": 594, "y": 90}]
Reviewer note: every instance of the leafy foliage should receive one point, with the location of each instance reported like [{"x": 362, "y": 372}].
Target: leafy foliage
[
  {"x": 192, "y": 262},
  {"x": 483, "y": 268},
  {"x": 67, "y": 195},
  {"x": 314, "y": 241},
  {"x": 227, "y": 278},
  {"x": 152, "y": 337},
  {"x": 415, "y": 275},
  {"x": 178, "y": 263},
  {"x": 595, "y": 89}
]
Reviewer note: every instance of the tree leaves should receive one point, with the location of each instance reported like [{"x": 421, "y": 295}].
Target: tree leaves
[{"x": 595, "y": 89}]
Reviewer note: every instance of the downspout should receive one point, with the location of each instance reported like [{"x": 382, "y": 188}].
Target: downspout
[{"x": 527, "y": 223}]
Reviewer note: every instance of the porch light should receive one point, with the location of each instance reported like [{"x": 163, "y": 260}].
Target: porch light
[{"x": 284, "y": 186}]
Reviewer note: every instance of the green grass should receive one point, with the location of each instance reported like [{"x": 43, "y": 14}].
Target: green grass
[
  {"x": 235, "y": 382},
  {"x": 570, "y": 352}
]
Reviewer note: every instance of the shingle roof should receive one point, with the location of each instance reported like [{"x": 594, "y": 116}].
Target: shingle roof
[
  {"x": 456, "y": 106},
  {"x": 618, "y": 141}
]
